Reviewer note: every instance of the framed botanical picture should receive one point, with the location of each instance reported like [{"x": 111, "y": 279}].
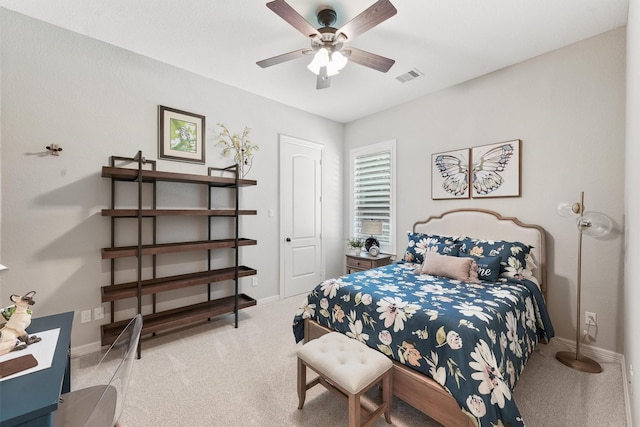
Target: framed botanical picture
[
  {"x": 180, "y": 135},
  {"x": 496, "y": 170},
  {"x": 450, "y": 175}
]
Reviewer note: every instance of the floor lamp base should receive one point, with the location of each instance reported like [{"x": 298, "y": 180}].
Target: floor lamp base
[{"x": 583, "y": 364}]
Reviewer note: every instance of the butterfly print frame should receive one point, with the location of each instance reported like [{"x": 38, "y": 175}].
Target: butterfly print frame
[
  {"x": 450, "y": 175},
  {"x": 496, "y": 170}
]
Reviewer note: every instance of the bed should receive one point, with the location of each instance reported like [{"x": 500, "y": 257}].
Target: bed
[{"x": 459, "y": 343}]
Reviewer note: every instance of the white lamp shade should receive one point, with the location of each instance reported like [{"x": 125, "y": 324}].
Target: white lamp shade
[
  {"x": 339, "y": 60},
  {"x": 566, "y": 209},
  {"x": 3, "y": 267},
  {"x": 371, "y": 227},
  {"x": 332, "y": 70},
  {"x": 595, "y": 224},
  {"x": 320, "y": 59}
]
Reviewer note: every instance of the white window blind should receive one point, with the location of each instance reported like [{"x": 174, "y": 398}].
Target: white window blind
[{"x": 373, "y": 191}]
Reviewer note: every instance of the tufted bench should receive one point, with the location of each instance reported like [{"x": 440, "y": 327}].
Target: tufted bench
[{"x": 348, "y": 368}]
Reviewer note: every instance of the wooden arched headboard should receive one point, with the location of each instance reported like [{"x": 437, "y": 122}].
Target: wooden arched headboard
[{"x": 490, "y": 225}]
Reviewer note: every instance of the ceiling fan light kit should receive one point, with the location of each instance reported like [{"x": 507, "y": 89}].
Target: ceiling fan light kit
[
  {"x": 327, "y": 43},
  {"x": 334, "y": 63}
]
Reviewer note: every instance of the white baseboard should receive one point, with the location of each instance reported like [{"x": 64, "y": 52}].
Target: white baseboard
[
  {"x": 94, "y": 347},
  {"x": 83, "y": 350},
  {"x": 627, "y": 392},
  {"x": 268, "y": 300}
]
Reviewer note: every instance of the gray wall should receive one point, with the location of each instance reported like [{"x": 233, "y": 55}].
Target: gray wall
[
  {"x": 568, "y": 108},
  {"x": 96, "y": 100},
  {"x": 632, "y": 207}
]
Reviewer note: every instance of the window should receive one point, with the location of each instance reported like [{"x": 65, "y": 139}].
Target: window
[{"x": 373, "y": 190}]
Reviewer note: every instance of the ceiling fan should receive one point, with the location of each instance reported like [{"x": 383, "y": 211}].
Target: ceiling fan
[{"x": 327, "y": 43}]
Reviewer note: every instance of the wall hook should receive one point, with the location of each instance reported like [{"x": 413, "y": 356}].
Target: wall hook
[{"x": 54, "y": 149}]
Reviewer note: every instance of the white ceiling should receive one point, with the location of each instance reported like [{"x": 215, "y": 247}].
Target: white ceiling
[{"x": 449, "y": 41}]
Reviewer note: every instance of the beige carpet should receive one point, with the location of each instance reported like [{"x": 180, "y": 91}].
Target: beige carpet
[{"x": 216, "y": 375}]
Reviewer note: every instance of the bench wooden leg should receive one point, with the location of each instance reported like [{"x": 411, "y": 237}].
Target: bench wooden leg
[
  {"x": 387, "y": 396},
  {"x": 302, "y": 383},
  {"x": 354, "y": 410}
]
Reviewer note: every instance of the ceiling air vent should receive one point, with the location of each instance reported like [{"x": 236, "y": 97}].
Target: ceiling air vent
[{"x": 407, "y": 77}]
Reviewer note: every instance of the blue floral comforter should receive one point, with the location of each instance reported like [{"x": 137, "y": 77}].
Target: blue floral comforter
[{"x": 473, "y": 339}]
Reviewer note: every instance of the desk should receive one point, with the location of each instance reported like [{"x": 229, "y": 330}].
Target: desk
[{"x": 31, "y": 399}]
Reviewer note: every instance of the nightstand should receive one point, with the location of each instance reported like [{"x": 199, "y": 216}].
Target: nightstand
[{"x": 366, "y": 262}]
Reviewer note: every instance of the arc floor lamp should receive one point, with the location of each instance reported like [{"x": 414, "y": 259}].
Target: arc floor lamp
[{"x": 594, "y": 224}]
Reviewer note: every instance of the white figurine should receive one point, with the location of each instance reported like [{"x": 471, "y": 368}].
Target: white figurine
[{"x": 14, "y": 331}]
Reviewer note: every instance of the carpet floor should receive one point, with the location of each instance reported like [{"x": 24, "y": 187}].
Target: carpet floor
[{"x": 217, "y": 375}]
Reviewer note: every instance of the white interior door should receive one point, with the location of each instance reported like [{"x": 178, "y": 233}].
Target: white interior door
[{"x": 301, "y": 209}]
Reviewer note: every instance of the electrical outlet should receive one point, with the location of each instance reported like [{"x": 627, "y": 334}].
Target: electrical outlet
[
  {"x": 98, "y": 313},
  {"x": 590, "y": 318},
  {"x": 85, "y": 316},
  {"x": 254, "y": 281}
]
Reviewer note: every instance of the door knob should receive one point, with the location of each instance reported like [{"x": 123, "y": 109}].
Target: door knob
[{"x": 288, "y": 239}]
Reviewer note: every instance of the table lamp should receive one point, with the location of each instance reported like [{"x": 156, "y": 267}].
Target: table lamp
[{"x": 371, "y": 227}]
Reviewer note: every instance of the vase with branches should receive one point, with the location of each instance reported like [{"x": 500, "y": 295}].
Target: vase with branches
[{"x": 238, "y": 145}]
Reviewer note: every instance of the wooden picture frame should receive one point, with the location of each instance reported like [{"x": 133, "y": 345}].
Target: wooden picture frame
[
  {"x": 496, "y": 170},
  {"x": 181, "y": 135},
  {"x": 450, "y": 175}
]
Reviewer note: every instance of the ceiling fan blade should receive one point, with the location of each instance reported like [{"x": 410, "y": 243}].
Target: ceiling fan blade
[
  {"x": 368, "y": 59},
  {"x": 323, "y": 82},
  {"x": 379, "y": 12},
  {"x": 289, "y": 14},
  {"x": 279, "y": 59}
]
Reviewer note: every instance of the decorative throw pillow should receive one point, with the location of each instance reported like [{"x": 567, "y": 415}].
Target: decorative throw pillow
[
  {"x": 513, "y": 254},
  {"x": 420, "y": 243},
  {"x": 463, "y": 269},
  {"x": 488, "y": 267}
]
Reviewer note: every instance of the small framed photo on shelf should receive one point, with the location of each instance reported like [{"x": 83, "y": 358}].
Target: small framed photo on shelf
[{"x": 180, "y": 135}]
